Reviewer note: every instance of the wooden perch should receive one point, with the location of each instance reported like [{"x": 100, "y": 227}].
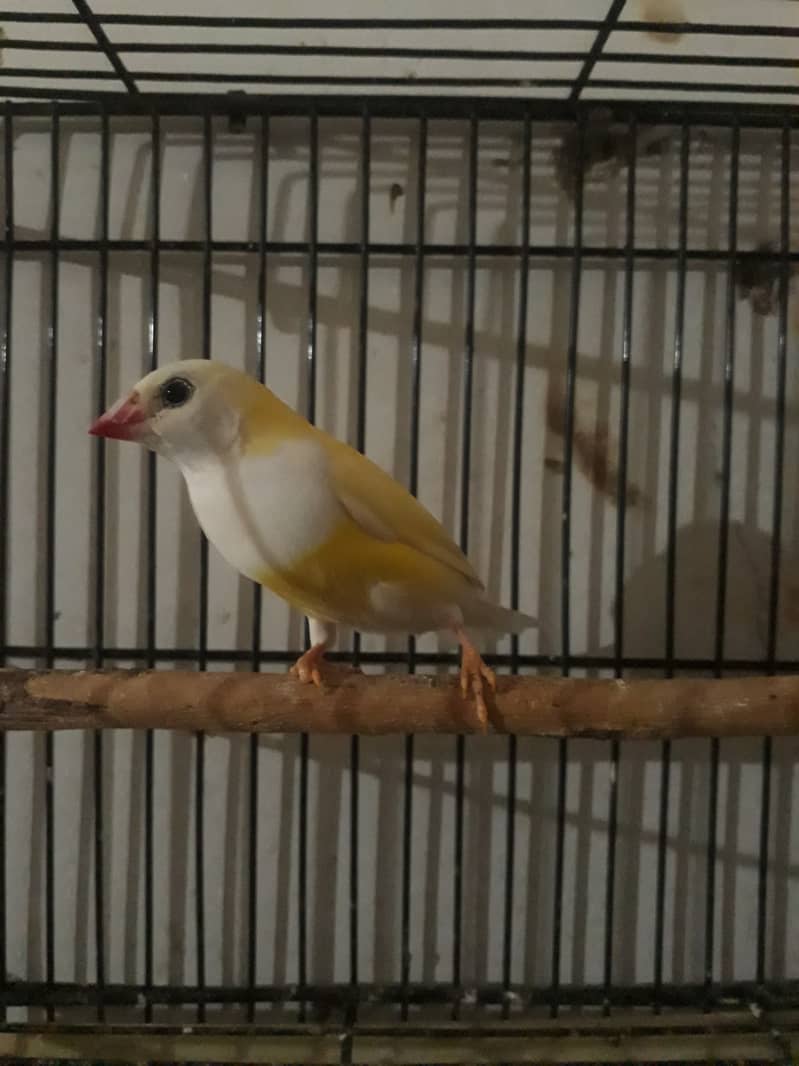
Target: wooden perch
[{"x": 355, "y": 703}]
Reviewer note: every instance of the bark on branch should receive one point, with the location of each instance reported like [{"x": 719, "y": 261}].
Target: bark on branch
[{"x": 354, "y": 703}]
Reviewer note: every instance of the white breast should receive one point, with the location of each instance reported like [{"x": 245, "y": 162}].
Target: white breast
[{"x": 265, "y": 513}]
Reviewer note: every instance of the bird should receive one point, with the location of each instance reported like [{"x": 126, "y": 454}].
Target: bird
[{"x": 309, "y": 517}]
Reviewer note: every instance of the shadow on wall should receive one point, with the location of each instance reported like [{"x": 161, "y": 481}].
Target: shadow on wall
[{"x": 747, "y": 604}]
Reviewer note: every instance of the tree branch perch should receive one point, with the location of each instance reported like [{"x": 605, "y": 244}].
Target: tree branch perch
[{"x": 355, "y": 703}]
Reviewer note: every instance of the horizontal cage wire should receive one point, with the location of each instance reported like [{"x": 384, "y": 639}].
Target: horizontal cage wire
[{"x": 543, "y": 271}]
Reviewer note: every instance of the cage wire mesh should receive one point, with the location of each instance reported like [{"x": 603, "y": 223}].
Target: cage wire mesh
[{"x": 541, "y": 270}]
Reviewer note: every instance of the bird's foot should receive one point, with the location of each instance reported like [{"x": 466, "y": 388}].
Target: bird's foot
[
  {"x": 475, "y": 674},
  {"x": 308, "y": 668}
]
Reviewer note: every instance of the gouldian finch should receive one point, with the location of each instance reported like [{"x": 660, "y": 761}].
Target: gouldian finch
[{"x": 307, "y": 516}]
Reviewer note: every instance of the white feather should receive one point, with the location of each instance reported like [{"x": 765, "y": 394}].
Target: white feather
[{"x": 264, "y": 513}]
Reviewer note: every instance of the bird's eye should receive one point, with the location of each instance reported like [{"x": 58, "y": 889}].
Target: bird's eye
[{"x": 176, "y": 392}]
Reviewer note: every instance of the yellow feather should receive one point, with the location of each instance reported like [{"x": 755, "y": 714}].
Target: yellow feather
[
  {"x": 267, "y": 422},
  {"x": 336, "y": 581},
  {"x": 381, "y": 507}
]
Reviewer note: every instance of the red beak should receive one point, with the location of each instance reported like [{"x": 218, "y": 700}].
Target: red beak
[{"x": 121, "y": 421}]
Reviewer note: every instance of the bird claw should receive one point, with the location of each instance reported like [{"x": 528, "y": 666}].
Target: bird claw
[
  {"x": 307, "y": 667},
  {"x": 475, "y": 674}
]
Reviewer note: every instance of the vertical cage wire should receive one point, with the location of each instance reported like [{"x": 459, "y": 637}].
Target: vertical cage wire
[
  {"x": 515, "y": 548},
  {"x": 671, "y": 557},
  {"x": 5, "y": 464},
  {"x": 466, "y": 461},
  {"x": 311, "y": 365},
  {"x": 724, "y": 537},
  {"x": 202, "y": 636},
  {"x": 776, "y": 537},
  {"x": 413, "y": 485},
  {"x": 262, "y": 172},
  {"x": 50, "y": 540},
  {"x": 151, "y": 564},
  {"x": 5, "y": 372},
  {"x": 621, "y": 517},
  {"x": 565, "y": 559},
  {"x": 360, "y": 442},
  {"x": 100, "y": 563}
]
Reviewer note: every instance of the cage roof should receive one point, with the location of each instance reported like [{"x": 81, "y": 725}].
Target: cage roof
[{"x": 676, "y": 51}]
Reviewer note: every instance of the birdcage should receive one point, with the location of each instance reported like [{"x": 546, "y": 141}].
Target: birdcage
[{"x": 539, "y": 267}]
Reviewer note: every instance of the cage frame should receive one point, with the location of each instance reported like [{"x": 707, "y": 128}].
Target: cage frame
[{"x": 752, "y": 1020}]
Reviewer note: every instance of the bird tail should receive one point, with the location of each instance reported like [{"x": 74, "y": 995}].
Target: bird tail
[{"x": 481, "y": 614}]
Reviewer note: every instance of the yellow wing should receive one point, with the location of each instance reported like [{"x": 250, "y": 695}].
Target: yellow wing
[{"x": 387, "y": 511}]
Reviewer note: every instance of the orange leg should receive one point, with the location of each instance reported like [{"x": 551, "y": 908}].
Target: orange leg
[
  {"x": 474, "y": 675},
  {"x": 308, "y": 668}
]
